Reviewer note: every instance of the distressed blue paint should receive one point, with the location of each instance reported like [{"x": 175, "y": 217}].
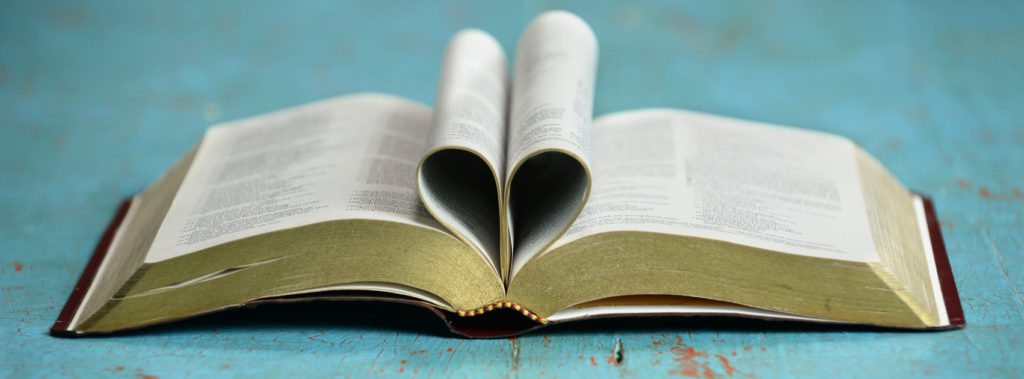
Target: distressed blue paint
[{"x": 96, "y": 100}]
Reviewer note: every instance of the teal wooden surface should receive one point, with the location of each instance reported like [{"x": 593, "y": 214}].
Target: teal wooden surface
[{"x": 97, "y": 99}]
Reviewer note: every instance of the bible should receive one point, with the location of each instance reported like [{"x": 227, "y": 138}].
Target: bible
[{"x": 509, "y": 198}]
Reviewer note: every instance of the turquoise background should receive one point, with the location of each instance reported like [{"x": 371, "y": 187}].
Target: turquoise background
[{"x": 98, "y": 98}]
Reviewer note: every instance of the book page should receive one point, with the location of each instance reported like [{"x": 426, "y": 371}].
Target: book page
[
  {"x": 462, "y": 171},
  {"x": 549, "y": 131},
  {"x": 553, "y": 88},
  {"x": 690, "y": 174},
  {"x": 648, "y": 305},
  {"x": 344, "y": 158},
  {"x": 471, "y": 99}
]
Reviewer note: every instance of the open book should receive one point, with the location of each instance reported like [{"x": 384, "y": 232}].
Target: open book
[{"x": 509, "y": 195}]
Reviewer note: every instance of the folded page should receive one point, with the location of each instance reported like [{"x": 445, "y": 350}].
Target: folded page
[{"x": 547, "y": 170}]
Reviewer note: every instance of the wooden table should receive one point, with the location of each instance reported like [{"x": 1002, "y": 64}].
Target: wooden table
[{"x": 96, "y": 100}]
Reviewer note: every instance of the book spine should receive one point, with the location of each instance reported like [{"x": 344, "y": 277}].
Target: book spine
[{"x": 503, "y": 304}]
